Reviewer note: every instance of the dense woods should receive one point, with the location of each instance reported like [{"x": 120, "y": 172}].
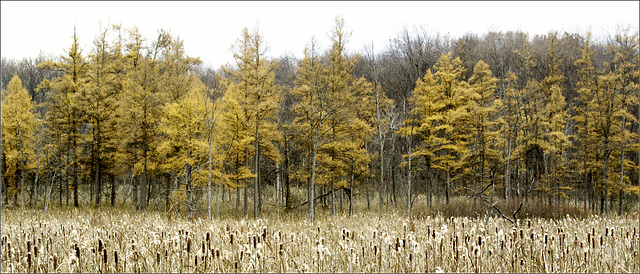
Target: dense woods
[{"x": 498, "y": 116}]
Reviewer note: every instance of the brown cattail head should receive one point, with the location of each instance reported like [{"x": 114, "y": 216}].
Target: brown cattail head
[
  {"x": 55, "y": 262},
  {"x": 217, "y": 253},
  {"x": 115, "y": 257},
  {"x": 189, "y": 245},
  {"x": 157, "y": 258},
  {"x": 29, "y": 259},
  {"x": 77, "y": 252},
  {"x": 104, "y": 256},
  {"x": 100, "y": 245},
  {"x": 208, "y": 236},
  {"x": 28, "y": 246},
  {"x": 35, "y": 251},
  {"x": 231, "y": 236},
  {"x": 254, "y": 241}
]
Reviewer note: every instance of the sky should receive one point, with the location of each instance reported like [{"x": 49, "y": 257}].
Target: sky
[{"x": 208, "y": 29}]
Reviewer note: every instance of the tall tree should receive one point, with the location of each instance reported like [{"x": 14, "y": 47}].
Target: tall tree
[
  {"x": 64, "y": 116},
  {"x": 18, "y": 137},
  {"x": 256, "y": 78}
]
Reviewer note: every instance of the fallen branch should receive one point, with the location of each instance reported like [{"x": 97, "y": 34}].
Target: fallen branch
[{"x": 513, "y": 221}]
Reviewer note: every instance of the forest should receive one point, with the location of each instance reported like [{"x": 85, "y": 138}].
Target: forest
[{"x": 502, "y": 116}]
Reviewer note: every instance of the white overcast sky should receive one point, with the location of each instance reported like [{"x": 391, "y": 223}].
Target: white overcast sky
[{"x": 210, "y": 28}]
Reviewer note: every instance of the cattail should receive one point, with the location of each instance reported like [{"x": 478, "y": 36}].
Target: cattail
[
  {"x": 545, "y": 239},
  {"x": 375, "y": 250},
  {"x": 99, "y": 245},
  {"x": 600, "y": 240},
  {"x": 104, "y": 256},
  {"x": 410, "y": 257},
  {"x": 115, "y": 258},
  {"x": 479, "y": 240},
  {"x": 189, "y": 245},
  {"x": 606, "y": 232},
  {"x": 521, "y": 234},
  {"x": 29, "y": 259},
  {"x": 28, "y": 246},
  {"x": 231, "y": 236},
  {"x": 77, "y": 252},
  {"x": 203, "y": 246},
  {"x": 55, "y": 262},
  {"x": 254, "y": 241},
  {"x": 241, "y": 254},
  {"x": 157, "y": 258},
  {"x": 35, "y": 251},
  {"x": 218, "y": 253}
]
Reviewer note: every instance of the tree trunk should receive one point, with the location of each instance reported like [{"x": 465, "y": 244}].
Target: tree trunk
[
  {"x": 113, "y": 190},
  {"x": 287, "y": 190},
  {"x": 333, "y": 198},
  {"x": 98, "y": 174},
  {"x": 187, "y": 175},
  {"x": 68, "y": 166},
  {"x": 35, "y": 182},
  {"x": 21, "y": 166},
  {"x": 586, "y": 175},
  {"x": 246, "y": 184},
  {"x": 351, "y": 190},
  {"x": 209, "y": 179},
  {"x": 237, "y": 201},
  {"x": 134, "y": 182},
  {"x": 144, "y": 193},
  {"x": 624, "y": 117},
  {"x": 605, "y": 183},
  {"x": 276, "y": 191}
]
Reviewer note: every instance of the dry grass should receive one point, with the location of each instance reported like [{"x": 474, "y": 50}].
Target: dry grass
[{"x": 115, "y": 241}]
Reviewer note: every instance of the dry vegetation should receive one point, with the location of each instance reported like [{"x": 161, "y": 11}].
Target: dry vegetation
[{"x": 109, "y": 240}]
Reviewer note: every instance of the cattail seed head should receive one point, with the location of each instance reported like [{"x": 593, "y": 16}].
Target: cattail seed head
[
  {"x": 35, "y": 251},
  {"x": 29, "y": 259},
  {"x": 77, "y": 251},
  {"x": 189, "y": 245},
  {"x": 55, "y": 262},
  {"x": 104, "y": 256}
]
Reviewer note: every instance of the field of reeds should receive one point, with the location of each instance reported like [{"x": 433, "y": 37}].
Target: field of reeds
[{"x": 109, "y": 240}]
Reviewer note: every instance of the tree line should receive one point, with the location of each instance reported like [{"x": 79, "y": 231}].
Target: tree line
[{"x": 499, "y": 116}]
